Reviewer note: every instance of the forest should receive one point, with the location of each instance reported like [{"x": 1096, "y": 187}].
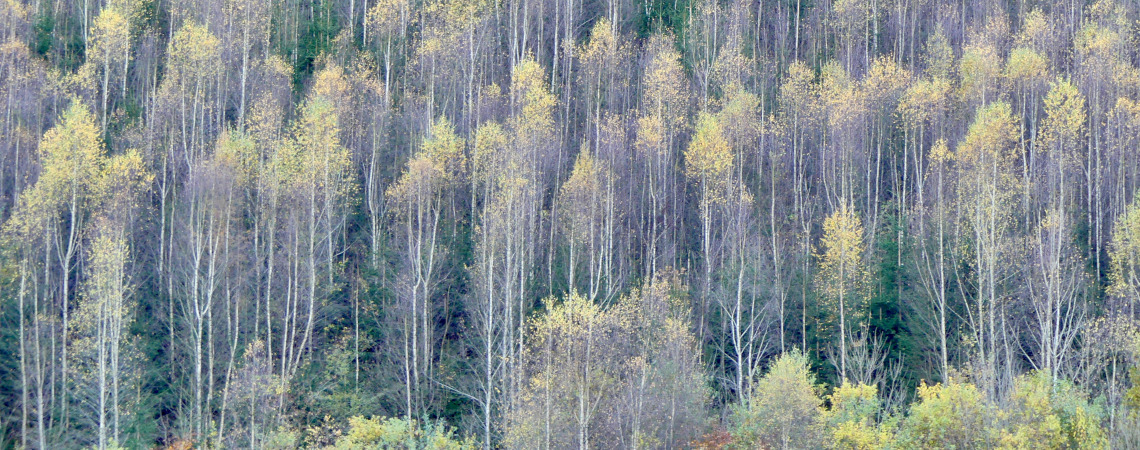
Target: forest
[{"x": 459, "y": 224}]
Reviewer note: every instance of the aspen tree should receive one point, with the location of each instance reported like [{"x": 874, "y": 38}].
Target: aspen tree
[
  {"x": 1100, "y": 73},
  {"x": 202, "y": 262},
  {"x": 582, "y": 200},
  {"x": 979, "y": 68},
  {"x": 387, "y": 21},
  {"x": 842, "y": 100},
  {"x": 186, "y": 98},
  {"x": 842, "y": 274},
  {"x": 1124, "y": 256},
  {"x": 417, "y": 200},
  {"x": 664, "y": 105},
  {"x": 600, "y": 58},
  {"x": 933, "y": 253},
  {"x": 708, "y": 165},
  {"x": 986, "y": 185},
  {"x": 71, "y": 155},
  {"x": 321, "y": 185},
  {"x": 799, "y": 100},
  {"x": 194, "y": 61},
  {"x": 1056, "y": 289},
  {"x": 784, "y": 410},
  {"x": 745, "y": 318},
  {"x": 111, "y": 45},
  {"x": 252, "y": 18},
  {"x": 587, "y": 365},
  {"x": 237, "y": 159},
  {"x": 1026, "y": 71},
  {"x": 30, "y": 228}
]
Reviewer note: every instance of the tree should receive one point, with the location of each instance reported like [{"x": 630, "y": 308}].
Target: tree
[
  {"x": 71, "y": 157},
  {"x": 708, "y": 164},
  {"x": 934, "y": 265},
  {"x": 950, "y": 414},
  {"x": 627, "y": 373},
  {"x": 418, "y": 200},
  {"x": 1045, "y": 412},
  {"x": 783, "y": 410},
  {"x": 583, "y": 201},
  {"x": 321, "y": 186},
  {"x": 1124, "y": 256},
  {"x": 252, "y": 22},
  {"x": 852, "y": 420},
  {"x": 1056, "y": 290},
  {"x": 111, "y": 44},
  {"x": 986, "y": 185},
  {"x": 100, "y": 334},
  {"x": 379, "y": 432},
  {"x": 842, "y": 276},
  {"x": 664, "y": 106},
  {"x": 388, "y": 29}
]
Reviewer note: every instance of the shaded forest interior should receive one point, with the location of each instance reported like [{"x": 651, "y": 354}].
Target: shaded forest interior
[{"x": 569, "y": 223}]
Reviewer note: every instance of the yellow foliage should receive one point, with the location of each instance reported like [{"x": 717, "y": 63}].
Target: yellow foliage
[
  {"x": 491, "y": 156},
  {"x": 841, "y": 256},
  {"x": 939, "y": 56},
  {"x": 783, "y": 410},
  {"x": 533, "y": 123},
  {"x": 990, "y": 138},
  {"x": 110, "y": 36},
  {"x": 979, "y": 69},
  {"x": 708, "y": 159},
  {"x": 1025, "y": 66},
  {"x": 194, "y": 52},
  {"x": 71, "y": 154},
  {"x": 386, "y": 433},
  {"x": 318, "y": 160},
  {"x": 664, "y": 82},
  {"x": 953, "y": 415},
  {"x": 440, "y": 163},
  {"x": 237, "y": 151},
  {"x": 651, "y": 136},
  {"x": 445, "y": 148},
  {"x": 582, "y": 196},
  {"x": 739, "y": 116},
  {"x": 385, "y": 16},
  {"x": 798, "y": 94},
  {"x": 1124, "y": 253},
  {"x": 885, "y": 80},
  {"x": 1065, "y": 121},
  {"x": 923, "y": 99},
  {"x": 330, "y": 84},
  {"x": 1049, "y": 414}
]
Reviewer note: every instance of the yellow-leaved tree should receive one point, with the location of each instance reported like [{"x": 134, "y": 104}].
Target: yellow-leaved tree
[
  {"x": 1124, "y": 254},
  {"x": 629, "y": 372},
  {"x": 71, "y": 158},
  {"x": 783, "y": 411},
  {"x": 418, "y": 199},
  {"x": 582, "y": 200},
  {"x": 987, "y": 185},
  {"x": 708, "y": 165},
  {"x": 842, "y": 275}
]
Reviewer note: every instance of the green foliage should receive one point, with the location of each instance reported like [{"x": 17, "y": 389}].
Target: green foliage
[{"x": 663, "y": 16}]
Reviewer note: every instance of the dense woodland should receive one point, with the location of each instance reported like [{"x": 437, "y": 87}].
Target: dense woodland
[{"x": 569, "y": 223}]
